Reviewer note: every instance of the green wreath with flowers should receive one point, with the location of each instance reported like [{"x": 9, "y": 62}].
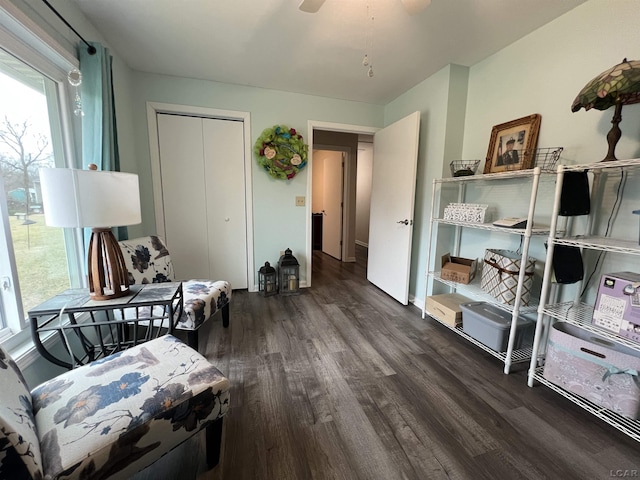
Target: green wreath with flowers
[{"x": 281, "y": 151}]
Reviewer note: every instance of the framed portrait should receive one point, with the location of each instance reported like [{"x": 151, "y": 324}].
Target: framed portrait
[{"x": 513, "y": 144}]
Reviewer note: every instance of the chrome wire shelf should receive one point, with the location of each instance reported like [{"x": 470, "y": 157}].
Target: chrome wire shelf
[{"x": 625, "y": 425}]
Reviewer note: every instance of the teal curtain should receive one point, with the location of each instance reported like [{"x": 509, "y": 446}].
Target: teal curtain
[{"x": 99, "y": 133}]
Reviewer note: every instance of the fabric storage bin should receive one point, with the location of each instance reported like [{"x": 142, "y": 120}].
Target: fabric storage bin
[
  {"x": 500, "y": 272},
  {"x": 595, "y": 368},
  {"x": 491, "y": 325}
]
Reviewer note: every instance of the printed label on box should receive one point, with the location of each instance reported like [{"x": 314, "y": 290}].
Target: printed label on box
[
  {"x": 630, "y": 330},
  {"x": 610, "y": 313}
]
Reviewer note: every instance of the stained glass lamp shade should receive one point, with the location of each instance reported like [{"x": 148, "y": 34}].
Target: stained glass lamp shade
[{"x": 618, "y": 86}]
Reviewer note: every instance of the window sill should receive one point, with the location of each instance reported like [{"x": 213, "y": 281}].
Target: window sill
[{"x": 22, "y": 349}]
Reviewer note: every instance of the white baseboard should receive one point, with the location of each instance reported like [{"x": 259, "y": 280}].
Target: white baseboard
[
  {"x": 362, "y": 244},
  {"x": 416, "y": 301}
]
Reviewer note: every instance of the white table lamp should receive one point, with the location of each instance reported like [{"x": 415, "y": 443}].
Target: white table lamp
[{"x": 100, "y": 200}]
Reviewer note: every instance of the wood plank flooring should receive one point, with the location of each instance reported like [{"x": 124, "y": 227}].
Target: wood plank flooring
[{"x": 342, "y": 382}]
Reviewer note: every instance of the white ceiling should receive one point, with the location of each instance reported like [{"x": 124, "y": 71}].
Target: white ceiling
[{"x": 271, "y": 44}]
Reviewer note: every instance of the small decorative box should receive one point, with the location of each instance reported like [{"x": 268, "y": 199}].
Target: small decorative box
[{"x": 465, "y": 212}]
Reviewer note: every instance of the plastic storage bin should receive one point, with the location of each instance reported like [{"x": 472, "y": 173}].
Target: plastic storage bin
[{"x": 490, "y": 326}]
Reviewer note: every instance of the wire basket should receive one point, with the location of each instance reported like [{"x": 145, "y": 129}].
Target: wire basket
[
  {"x": 464, "y": 168},
  {"x": 545, "y": 158}
]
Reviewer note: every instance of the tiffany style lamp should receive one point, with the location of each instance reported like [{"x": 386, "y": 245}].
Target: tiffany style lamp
[{"x": 618, "y": 86}]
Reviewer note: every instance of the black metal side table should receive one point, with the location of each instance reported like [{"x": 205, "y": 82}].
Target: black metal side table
[{"x": 91, "y": 329}]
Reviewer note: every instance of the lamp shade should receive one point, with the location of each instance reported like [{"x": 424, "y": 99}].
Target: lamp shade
[
  {"x": 619, "y": 84},
  {"x": 88, "y": 198}
]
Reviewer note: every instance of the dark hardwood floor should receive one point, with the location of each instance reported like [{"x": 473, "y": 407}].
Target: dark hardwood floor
[{"x": 342, "y": 382}]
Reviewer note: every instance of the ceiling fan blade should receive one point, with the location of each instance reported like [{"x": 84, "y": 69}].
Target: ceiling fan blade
[
  {"x": 310, "y": 6},
  {"x": 415, "y": 6}
]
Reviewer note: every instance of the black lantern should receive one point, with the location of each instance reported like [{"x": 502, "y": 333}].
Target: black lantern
[
  {"x": 289, "y": 274},
  {"x": 267, "y": 280}
]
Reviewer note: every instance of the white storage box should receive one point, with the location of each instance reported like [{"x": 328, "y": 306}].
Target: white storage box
[
  {"x": 465, "y": 212},
  {"x": 490, "y": 325}
]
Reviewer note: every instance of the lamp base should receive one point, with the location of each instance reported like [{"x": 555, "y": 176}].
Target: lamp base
[
  {"x": 108, "y": 276},
  {"x": 614, "y": 134}
]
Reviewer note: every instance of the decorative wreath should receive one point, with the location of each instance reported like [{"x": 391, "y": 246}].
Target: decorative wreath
[{"x": 281, "y": 151}]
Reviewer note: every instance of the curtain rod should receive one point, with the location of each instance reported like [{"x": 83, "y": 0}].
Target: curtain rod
[{"x": 90, "y": 48}]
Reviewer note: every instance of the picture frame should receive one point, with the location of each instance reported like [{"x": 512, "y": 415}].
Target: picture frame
[{"x": 513, "y": 144}]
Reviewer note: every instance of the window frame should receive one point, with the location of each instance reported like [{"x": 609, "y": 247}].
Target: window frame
[{"x": 24, "y": 39}]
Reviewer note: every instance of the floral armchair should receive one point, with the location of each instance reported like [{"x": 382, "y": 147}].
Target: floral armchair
[
  {"x": 148, "y": 261},
  {"x": 112, "y": 417}
]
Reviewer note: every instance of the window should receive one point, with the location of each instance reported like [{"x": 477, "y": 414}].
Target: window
[{"x": 36, "y": 261}]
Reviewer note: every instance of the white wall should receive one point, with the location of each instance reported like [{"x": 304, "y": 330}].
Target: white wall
[{"x": 363, "y": 192}]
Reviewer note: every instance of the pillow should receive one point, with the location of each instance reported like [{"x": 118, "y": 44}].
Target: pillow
[{"x": 147, "y": 260}]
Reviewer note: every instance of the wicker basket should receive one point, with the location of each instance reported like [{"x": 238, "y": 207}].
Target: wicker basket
[{"x": 464, "y": 168}]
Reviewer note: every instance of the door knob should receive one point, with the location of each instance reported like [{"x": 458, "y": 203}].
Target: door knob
[{"x": 405, "y": 221}]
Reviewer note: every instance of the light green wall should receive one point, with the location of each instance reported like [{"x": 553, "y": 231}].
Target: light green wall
[
  {"x": 541, "y": 73},
  {"x": 544, "y": 71},
  {"x": 278, "y": 223}
]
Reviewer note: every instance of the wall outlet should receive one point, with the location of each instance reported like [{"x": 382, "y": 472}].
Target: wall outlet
[{"x": 300, "y": 201}]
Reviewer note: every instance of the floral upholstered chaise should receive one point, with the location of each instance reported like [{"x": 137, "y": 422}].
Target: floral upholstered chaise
[
  {"x": 112, "y": 417},
  {"x": 148, "y": 261}
]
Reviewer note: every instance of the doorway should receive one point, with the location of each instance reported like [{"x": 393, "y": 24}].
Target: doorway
[
  {"x": 339, "y": 193},
  {"x": 392, "y": 201},
  {"x": 328, "y": 199}
]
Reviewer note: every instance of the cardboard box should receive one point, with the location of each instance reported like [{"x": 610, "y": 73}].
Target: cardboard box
[
  {"x": 618, "y": 304},
  {"x": 594, "y": 368},
  {"x": 446, "y": 308},
  {"x": 458, "y": 269}
]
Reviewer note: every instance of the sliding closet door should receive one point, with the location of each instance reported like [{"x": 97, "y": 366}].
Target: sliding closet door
[
  {"x": 226, "y": 209},
  {"x": 184, "y": 194},
  {"x": 203, "y": 197}
]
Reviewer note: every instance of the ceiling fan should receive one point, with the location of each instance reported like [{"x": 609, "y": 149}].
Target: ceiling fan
[{"x": 411, "y": 6}]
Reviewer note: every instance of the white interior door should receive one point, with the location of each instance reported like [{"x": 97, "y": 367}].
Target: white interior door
[
  {"x": 183, "y": 194},
  {"x": 395, "y": 157},
  {"x": 226, "y": 209},
  {"x": 332, "y": 203},
  {"x": 203, "y": 197}
]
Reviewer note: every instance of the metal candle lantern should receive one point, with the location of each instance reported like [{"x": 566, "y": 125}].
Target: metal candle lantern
[
  {"x": 289, "y": 274},
  {"x": 267, "y": 280}
]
